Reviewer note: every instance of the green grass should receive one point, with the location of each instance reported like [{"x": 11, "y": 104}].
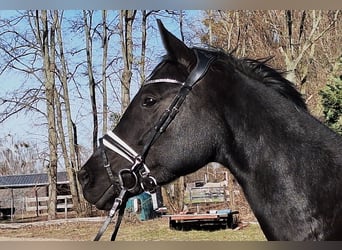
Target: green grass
[{"x": 159, "y": 230}]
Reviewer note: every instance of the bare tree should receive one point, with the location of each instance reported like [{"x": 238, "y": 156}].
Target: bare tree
[
  {"x": 145, "y": 15},
  {"x": 302, "y": 39},
  {"x": 32, "y": 53},
  {"x": 88, "y": 19},
  {"x": 105, "y": 40},
  {"x": 126, "y": 28},
  {"x": 69, "y": 152},
  {"x": 46, "y": 39},
  {"x": 18, "y": 156},
  {"x": 19, "y": 54},
  {"x": 298, "y": 40},
  {"x": 144, "y": 27}
]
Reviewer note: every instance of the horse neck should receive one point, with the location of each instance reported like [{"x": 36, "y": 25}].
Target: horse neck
[{"x": 267, "y": 148}]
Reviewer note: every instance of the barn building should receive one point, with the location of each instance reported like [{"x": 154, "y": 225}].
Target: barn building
[{"x": 27, "y": 193}]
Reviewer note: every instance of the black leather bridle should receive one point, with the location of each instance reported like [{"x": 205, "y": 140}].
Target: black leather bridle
[{"x": 137, "y": 178}]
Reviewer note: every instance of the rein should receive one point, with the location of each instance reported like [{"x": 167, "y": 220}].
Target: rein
[{"x": 139, "y": 172}]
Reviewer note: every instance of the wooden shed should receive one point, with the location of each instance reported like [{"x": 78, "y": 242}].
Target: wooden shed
[{"x": 27, "y": 192}]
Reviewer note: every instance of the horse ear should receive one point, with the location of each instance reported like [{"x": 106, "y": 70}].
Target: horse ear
[{"x": 175, "y": 47}]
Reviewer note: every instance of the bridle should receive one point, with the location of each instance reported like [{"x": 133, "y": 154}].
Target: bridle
[{"x": 139, "y": 174}]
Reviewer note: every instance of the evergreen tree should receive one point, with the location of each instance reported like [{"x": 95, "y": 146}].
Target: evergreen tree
[{"x": 332, "y": 102}]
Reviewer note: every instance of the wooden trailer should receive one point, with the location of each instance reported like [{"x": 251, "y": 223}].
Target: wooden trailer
[{"x": 220, "y": 219}]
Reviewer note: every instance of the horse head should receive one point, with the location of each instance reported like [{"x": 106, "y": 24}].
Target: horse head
[{"x": 168, "y": 94}]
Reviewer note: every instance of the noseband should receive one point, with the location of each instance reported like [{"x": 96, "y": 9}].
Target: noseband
[{"x": 138, "y": 175}]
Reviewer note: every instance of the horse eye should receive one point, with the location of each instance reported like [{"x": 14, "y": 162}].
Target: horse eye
[{"x": 149, "y": 101}]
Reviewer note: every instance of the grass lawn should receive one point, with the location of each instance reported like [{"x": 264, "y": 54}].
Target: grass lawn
[{"x": 152, "y": 230}]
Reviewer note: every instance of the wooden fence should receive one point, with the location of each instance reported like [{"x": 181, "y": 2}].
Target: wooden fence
[
  {"x": 40, "y": 204},
  {"x": 207, "y": 194}
]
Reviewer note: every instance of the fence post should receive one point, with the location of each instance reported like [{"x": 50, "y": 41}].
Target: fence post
[
  {"x": 65, "y": 207},
  {"x": 37, "y": 202},
  {"x": 12, "y": 205}
]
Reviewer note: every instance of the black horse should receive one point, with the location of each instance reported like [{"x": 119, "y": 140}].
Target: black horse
[{"x": 242, "y": 114}]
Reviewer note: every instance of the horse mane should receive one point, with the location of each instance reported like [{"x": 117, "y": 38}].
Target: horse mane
[
  {"x": 256, "y": 69},
  {"x": 259, "y": 70}
]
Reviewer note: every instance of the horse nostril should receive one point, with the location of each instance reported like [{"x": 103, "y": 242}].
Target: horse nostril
[{"x": 83, "y": 177}]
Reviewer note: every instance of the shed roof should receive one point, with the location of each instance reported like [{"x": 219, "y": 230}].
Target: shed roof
[{"x": 30, "y": 180}]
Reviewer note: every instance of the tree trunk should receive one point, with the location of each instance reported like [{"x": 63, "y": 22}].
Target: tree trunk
[
  {"x": 48, "y": 65},
  {"x": 145, "y": 15},
  {"x": 104, "y": 71},
  {"x": 125, "y": 26},
  {"x": 69, "y": 159},
  {"x": 143, "y": 46},
  {"x": 174, "y": 195},
  {"x": 89, "y": 48}
]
